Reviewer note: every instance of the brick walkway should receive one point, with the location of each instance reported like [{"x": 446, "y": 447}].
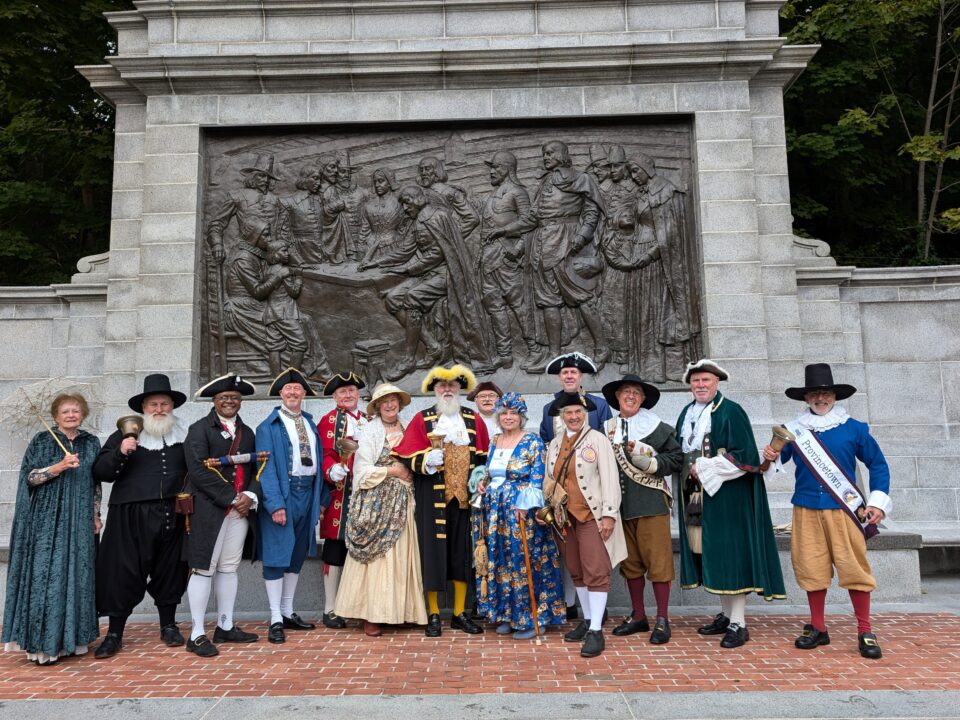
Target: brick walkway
[{"x": 921, "y": 652}]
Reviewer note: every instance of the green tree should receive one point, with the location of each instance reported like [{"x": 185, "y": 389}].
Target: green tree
[
  {"x": 871, "y": 135},
  {"x": 56, "y": 138}
]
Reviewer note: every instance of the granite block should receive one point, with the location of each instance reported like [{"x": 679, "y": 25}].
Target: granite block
[
  {"x": 768, "y": 131},
  {"x": 325, "y": 26},
  {"x": 811, "y": 293},
  {"x": 83, "y": 361},
  {"x": 894, "y": 390},
  {"x": 130, "y": 117},
  {"x": 821, "y": 315},
  {"x": 126, "y": 205},
  {"x": 777, "y": 249},
  {"x": 168, "y": 288},
  {"x": 950, "y": 372},
  {"x": 619, "y": 38},
  {"x": 132, "y": 41},
  {"x": 166, "y": 169},
  {"x": 85, "y": 331},
  {"x": 165, "y": 320},
  {"x": 762, "y": 22},
  {"x": 737, "y": 342},
  {"x": 160, "y": 30},
  {"x": 766, "y": 100},
  {"x": 128, "y": 176},
  {"x": 431, "y": 105},
  {"x": 629, "y": 99},
  {"x": 823, "y": 347},
  {"x": 173, "y": 198},
  {"x": 929, "y": 472},
  {"x": 224, "y": 27},
  {"x": 444, "y": 45},
  {"x": 926, "y": 504},
  {"x": 176, "y": 49},
  {"x": 698, "y": 35},
  {"x": 724, "y": 155},
  {"x": 700, "y": 96},
  {"x": 121, "y": 293},
  {"x": 538, "y": 102},
  {"x": 725, "y": 278},
  {"x": 782, "y": 311},
  {"x": 779, "y": 279},
  {"x": 378, "y": 25},
  {"x": 770, "y": 160},
  {"x": 464, "y": 22},
  {"x": 263, "y": 109},
  {"x": 182, "y": 109},
  {"x": 595, "y": 16},
  {"x": 729, "y": 216},
  {"x": 773, "y": 190},
  {"x": 870, "y": 294},
  {"x": 853, "y": 347},
  {"x": 728, "y": 246},
  {"x": 264, "y": 48},
  {"x": 354, "y": 107},
  {"x": 166, "y": 228},
  {"x": 723, "y": 125},
  {"x": 164, "y": 256},
  {"x": 774, "y": 219},
  {"x": 172, "y": 139},
  {"x": 128, "y": 147},
  {"x": 120, "y": 325},
  {"x": 725, "y": 185},
  {"x": 784, "y": 343},
  {"x": 669, "y": 16},
  {"x": 731, "y": 13},
  {"x": 930, "y": 292},
  {"x": 171, "y": 354},
  {"x": 117, "y": 387},
  {"x": 911, "y": 331},
  {"x": 735, "y": 310},
  {"x": 119, "y": 356}
]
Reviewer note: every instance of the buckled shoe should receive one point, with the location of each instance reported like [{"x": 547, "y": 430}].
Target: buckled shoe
[{"x": 811, "y": 638}]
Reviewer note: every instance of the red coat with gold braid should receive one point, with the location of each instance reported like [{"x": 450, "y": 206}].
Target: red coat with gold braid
[{"x": 332, "y": 427}]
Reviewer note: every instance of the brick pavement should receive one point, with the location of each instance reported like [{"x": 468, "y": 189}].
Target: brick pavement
[{"x": 921, "y": 652}]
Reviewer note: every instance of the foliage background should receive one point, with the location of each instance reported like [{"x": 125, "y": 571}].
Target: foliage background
[{"x": 859, "y": 121}]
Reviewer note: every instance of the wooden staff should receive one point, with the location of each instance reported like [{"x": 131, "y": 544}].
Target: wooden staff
[{"x": 533, "y": 595}]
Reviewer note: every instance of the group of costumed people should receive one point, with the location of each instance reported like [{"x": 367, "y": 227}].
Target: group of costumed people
[{"x": 533, "y": 521}]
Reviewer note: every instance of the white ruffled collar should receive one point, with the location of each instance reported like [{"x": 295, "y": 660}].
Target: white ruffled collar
[
  {"x": 176, "y": 436},
  {"x": 818, "y": 423}
]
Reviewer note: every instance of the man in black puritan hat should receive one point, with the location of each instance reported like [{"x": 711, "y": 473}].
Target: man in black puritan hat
[
  {"x": 647, "y": 453},
  {"x": 831, "y": 519},
  {"x": 292, "y": 493},
  {"x": 142, "y": 543},
  {"x": 343, "y": 422},
  {"x": 570, "y": 368},
  {"x": 224, "y": 501}
]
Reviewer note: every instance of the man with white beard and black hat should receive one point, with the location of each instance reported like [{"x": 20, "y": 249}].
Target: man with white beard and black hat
[
  {"x": 225, "y": 502},
  {"x": 142, "y": 541}
]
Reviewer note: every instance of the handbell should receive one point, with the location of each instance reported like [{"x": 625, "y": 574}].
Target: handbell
[
  {"x": 345, "y": 448},
  {"x": 781, "y": 436},
  {"x": 436, "y": 442},
  {"x": 130, "y": 426},
  {"x": 546, "y": 515}
]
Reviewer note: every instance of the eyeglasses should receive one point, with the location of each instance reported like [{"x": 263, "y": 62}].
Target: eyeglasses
[{"x": 227, "y": 398}]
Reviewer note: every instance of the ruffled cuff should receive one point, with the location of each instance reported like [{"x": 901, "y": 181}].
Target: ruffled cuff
[
  {"x": 529, "y": 497},
  {"x": 880, "y": 499},
  {"x": 773, "y": 469},
  {"x": 713, "y": 472},
  {"x": 252, "y": 496}
]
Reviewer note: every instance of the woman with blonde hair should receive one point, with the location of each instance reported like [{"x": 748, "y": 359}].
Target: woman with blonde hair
[
  {"x": 50, "y": 608},
  {"x": 382, "y": 581}
]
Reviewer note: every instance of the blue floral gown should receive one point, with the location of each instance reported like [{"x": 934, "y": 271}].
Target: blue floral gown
[{"x": 517, "y": 486}]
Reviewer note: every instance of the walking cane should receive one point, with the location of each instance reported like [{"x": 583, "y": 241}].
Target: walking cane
[{"x": 533, "y": 596}]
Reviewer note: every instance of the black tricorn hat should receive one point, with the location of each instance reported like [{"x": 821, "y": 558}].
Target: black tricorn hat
[
  {"x": 343, "y": 379},
  {"x": 651, "y": 394},
  {"x": 156, "y": 384},
  {"x": 567, "y": 399},
  {"x": 571, "y": 360},
  {"x": 290, "y": 375},
  {"x": 819, "y": 376},
  {"x": 226, "y": 383}
]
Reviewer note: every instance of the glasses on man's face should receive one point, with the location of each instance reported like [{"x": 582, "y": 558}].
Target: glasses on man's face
[
  {"x": 629, "y": 391},
  {"x": 227, "y": 399}
]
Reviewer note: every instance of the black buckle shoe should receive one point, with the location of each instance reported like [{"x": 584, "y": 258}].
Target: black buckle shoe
[
  {"x": 661, "y": 632},
  {"x": 736, "y": 636},
  {"x": 719, "y": 626},
  {"x": 433, "y": 626},
  {"x": 811, "y": 638},
  {"x": 333, "y": 621},
  {"x": 629, "y": 626},
  {"x": 295, "y": 622},
  {"x": 109, "y": 647},
  {"x": 465, "y": 624},
  {"x": 578, "y": 633},
  {"x": 233, "y": 635},
  {"x": 593, "y": 644},
  {"x": 202, "y": 647},
  {"x": 869, "y": 647},
  {"x": 171, "y": 636},
  {"x": 275, "y": 634}
]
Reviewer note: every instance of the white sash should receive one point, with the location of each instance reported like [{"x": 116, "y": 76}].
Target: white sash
[{"x": 830, "y": 475}]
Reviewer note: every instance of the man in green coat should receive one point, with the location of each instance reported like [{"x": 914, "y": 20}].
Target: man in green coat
[{"x": 726, "y": 538}]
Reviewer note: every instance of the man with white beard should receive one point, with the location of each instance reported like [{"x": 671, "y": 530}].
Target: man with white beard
[
  {"x": 142, "y": 542},
  {"x": 440, "y": 489}
]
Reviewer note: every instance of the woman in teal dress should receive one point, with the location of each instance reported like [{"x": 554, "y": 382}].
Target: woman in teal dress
[
  {"x": 50, "y": 607},
  {"x": 514, "y": 491}
]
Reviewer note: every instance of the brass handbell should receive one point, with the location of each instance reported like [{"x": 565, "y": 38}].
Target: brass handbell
[
  {"x": 345, "y": 448},
  {"x": 436, "y": 442},
  {"x": 781, "y": 436},
  {"x": 547, "y": 516},
  {"x": 130, "y": 426}
]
